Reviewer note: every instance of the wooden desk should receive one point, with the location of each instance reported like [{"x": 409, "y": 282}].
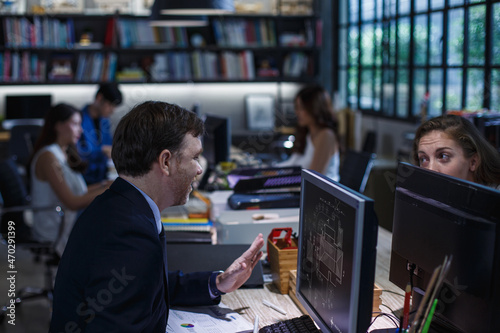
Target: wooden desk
[{"x": 248, "y": 302}]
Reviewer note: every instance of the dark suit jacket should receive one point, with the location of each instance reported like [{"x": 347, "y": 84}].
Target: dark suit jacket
[{"x": 111, "y": 277}]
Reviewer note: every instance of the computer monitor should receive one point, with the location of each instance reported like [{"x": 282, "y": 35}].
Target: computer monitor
[
  {"x": 25, "y": 109},
  {"x": 336, "y": 255},
  {"x": 27, "y": 106},
  {"x": 217, "y": 139},
  {"x": 436, "y": 215}
]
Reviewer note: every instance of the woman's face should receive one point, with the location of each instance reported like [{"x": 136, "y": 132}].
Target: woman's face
[
  {"x": 69, "y": 131},
  {"x": 437, "y": 151},
  {"x": 304, "y": 118}
]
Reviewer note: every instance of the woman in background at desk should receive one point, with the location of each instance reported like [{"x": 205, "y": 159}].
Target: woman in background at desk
[
  {"x": 452, "y": 145},
  {"x": 316, "y": 143},
  {"x": 56, "y": 177}
]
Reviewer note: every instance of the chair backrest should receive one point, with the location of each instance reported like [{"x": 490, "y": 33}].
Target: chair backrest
[
  {"x": 14, "y": 193},
  {"x": 370, "y": 144},
  {"x": 21, "y": 142},
  {"x": 356, "y": 169}
]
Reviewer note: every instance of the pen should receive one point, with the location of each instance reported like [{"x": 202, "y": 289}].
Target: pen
[
  {"x": 429, "y": 317},
  {"x": 256, "y": 324},
  {"x": 272, "y": 306},
  {"x": 406, "y": 308}
]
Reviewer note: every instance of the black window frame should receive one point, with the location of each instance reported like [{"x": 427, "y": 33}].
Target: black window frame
[{"x": 345, "y": 24}]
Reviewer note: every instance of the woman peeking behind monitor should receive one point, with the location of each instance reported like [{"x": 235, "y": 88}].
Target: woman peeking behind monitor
[{"x": 452, "y": 145}]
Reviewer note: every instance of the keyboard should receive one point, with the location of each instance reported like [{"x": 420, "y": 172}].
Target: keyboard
[{"x": 303, "y": 324}]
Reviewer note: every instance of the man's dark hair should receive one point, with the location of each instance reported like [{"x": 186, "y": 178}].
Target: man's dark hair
[
  {"x": 148, "y": 129},
  {"x": 111, "y": 93}
]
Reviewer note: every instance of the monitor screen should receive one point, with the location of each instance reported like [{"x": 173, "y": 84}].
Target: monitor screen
[
  {"x": 436, "y": 215},
  {"x": 27, "y": 106},
  {"x": 337, "y": 253},
  {"x": 217, "y": 139}
]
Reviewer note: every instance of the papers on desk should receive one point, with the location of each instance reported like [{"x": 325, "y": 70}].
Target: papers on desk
[{"x": 202, "y": 319}]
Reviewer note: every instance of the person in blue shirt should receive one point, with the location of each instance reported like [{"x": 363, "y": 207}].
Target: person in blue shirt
[{"x": 94, "y": 145}]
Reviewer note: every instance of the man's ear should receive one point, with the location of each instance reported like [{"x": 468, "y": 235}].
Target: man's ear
[
  {"x": 165, "y": 160},
  {"x": 474, "y": 162}
]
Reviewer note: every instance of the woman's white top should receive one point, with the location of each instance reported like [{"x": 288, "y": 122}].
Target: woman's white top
[
  {"x": 304, "y": 160},
  {"x": 46, "y": 223}
]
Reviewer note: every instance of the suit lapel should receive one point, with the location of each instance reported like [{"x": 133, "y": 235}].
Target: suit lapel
[{"x": 163, "y": 242}]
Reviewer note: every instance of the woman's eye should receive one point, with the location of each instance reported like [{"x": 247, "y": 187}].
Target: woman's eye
[
  {"x": 422, "y": 160},
  {"x": 444, "y": 156}
]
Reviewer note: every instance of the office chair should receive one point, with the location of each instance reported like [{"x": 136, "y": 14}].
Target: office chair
[
  {"x": 21, "y": 142},
  {"x": 15, "y": 201},
  {"x": 370, "y": 143},
  {"x": 356, "y": 169}
]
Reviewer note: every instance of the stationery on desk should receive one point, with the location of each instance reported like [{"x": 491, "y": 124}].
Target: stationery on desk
[
  {"x": 256, "y": 325},
  {"x": 425, "y": 312},
  {"x": 213, "y": 318},
  {"x": 406, "y": 307},
  {"x": 193, "y": 216}
]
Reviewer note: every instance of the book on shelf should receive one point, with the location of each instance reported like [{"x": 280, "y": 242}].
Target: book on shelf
[
  {"x": 243, "y": 32},
  {"x": 295, "y": 64},
  {"x": 95, "y": 67}
]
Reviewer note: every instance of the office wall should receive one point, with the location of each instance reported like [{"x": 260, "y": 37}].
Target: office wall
[
  {"x": 227, "y": 99},
  {"x": 390, "y": 135}
]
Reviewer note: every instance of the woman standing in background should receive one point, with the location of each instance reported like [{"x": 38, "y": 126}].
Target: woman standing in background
[{"x": 317, "y": 143}]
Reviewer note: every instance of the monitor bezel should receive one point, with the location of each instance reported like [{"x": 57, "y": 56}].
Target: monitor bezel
[{"x": 359, "y": 202}]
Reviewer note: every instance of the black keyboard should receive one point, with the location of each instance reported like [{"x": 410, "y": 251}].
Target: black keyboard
[{"x": 303, "y": 324}]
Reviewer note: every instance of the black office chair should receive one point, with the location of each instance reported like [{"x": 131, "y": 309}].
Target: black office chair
[
  {"x": 15, "y": 201},
  {"x": 370, "y": 143},
  {"x": 356, "y": 169},
  {"x": 21, "y": 142}
]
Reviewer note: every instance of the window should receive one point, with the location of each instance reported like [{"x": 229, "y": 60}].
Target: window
[{"x": 405, "y": 59}]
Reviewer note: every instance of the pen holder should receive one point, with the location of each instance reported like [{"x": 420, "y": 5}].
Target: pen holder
[{"x": 282, "y": 261}]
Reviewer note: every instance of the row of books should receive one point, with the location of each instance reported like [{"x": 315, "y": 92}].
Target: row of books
[
  {"x": 28, "y": 67},
  {"x": 203, "y": 65},
  {"x": 177, "y": 66},
  {"x": 138, "y": 33},
  {"x": 244, "y": 32},
  {"x": 21, "y": 67},
  {"x": 96, "y": 67},
  {"x": 42, "y": 32},
  {"x": 49, "y": 32},
  {"x": 297, "y": 64},
  {"x": 192, "y": 216}
]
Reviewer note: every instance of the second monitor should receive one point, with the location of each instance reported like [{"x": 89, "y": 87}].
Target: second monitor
[
  {"x": 337, "y": 253},
  {"x": 436, "y": 215},
  {"x": 217, "y": 139}
]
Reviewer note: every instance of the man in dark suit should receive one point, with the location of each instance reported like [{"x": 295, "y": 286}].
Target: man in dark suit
[{"x": 113, "y": 275}]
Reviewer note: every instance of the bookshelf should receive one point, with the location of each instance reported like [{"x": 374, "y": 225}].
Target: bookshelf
[{"x": 82, "y": 49}]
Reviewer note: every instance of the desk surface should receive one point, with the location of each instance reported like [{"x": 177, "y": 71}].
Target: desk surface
[{"x": 248, "y": 302}]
